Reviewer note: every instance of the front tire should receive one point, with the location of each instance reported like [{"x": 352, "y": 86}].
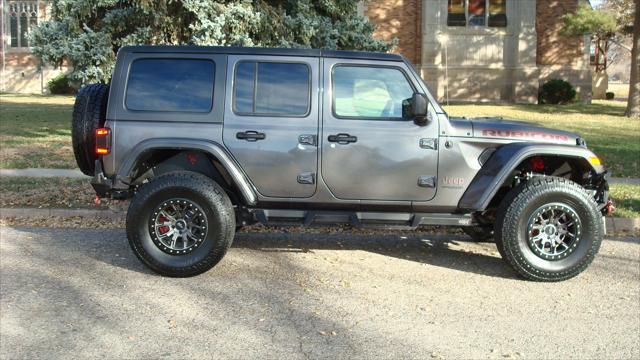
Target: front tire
[
  {"x": 548, "y": 229},
  {"x": 180, "y": 224}
]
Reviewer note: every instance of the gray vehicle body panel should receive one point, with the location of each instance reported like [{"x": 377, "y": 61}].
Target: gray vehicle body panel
[
  {"x": 275, "y": 162},
  {"x": 503, "y": 161},
  {"x": 209, "y": 147},
  {"x": 386, "y": 160},
  {"x": 379, "y": 172}
]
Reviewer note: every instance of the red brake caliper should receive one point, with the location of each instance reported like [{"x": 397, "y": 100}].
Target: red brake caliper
[{"x": 164, "y": 228}]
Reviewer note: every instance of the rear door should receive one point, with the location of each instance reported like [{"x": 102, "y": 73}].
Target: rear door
[
  {"x": 369, "y": 152},
  {"x": 271, "y": 122}
]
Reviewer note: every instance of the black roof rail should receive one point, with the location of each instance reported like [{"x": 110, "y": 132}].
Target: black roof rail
[{"x": 233, "y": 50}]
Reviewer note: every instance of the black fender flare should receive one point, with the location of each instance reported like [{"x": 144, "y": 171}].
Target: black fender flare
[
  {"x": 504, "y": 160},
  {"x": 214, "y": 149}
]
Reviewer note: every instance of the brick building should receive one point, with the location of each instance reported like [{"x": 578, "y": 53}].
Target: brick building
[
  {"x": 20, "y": 70},
  {"x": 485, "y": 50}
]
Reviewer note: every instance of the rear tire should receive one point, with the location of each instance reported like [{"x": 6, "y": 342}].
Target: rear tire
[
  {"x": 180, "y": 224},
  {"x": 89, "y": 113},
  {"x": 548, "y": 229}
]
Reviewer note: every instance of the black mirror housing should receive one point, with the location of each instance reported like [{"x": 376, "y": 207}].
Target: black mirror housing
[{"x": 416, "y": 108}]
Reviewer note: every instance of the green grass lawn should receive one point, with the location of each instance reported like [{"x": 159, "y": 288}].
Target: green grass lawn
[
  {"x": 613, "y": 137},
  {"x": 35, "y": 131},
  {"x": 626, "y": 199}
]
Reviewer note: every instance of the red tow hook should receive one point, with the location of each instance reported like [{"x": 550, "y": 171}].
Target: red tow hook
[
  {"x": 608, "y": 209},
  {"x": 97, "y": 200}
]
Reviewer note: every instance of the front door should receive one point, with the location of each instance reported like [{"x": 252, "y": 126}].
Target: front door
[
  {"x": 271, "y": 122},
  {"x": 369, "y": 152}
]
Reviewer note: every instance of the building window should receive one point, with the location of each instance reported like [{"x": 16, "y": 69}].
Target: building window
[
  {"x": 492, "y": 13},
  {"x": 22, "y": 16}
]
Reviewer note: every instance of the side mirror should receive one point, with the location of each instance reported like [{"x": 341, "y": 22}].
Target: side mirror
[{"x": 417, "y": 108}]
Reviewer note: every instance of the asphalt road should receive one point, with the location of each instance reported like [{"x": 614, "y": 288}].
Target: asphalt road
[{"x": 81, "y": 293}]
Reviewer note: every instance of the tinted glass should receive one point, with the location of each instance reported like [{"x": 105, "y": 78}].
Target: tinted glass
[
  {"x": 369, "y": 92},
  {"x": 278, "y": 88},
  {"x": 245, "y": 81},
  {"x": 184, "y": 85}
]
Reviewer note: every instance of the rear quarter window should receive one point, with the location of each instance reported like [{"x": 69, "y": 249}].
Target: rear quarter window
[{"x": 170, "y": 85}]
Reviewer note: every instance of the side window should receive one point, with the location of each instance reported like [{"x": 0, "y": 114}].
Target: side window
[
  {"x": 369, "y": 92},
  {"x": 271, "y": 88},
  {"x": 184, "y": 85}
]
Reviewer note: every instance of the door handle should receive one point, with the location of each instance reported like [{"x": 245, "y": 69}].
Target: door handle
[
  {"x": 251, "y": 135},
  {"x": 342, "y": 138}
]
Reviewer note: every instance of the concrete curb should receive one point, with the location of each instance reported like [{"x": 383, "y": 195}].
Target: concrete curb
[
  {"x": 613, "y": 224},
  {"x": 627, "y": 181},
  {"x": 622, "y": 224}
]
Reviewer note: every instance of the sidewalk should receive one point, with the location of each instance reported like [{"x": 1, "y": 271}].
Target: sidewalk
[
  {"x": 35, "y": 172},
  {"x": 76, "y": 174}
]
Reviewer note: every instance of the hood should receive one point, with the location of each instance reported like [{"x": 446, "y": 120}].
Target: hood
[{"x": 497, "y": 128}]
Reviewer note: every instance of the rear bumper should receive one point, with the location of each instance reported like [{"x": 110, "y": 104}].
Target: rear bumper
[
  {"x": 101, "y": 184},
  {"x": 104, "y": 186}
]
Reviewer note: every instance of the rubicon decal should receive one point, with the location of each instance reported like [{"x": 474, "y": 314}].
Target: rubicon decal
[{"x": 523, "y": 134}]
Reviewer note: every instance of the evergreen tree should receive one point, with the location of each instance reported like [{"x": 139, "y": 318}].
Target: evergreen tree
[{"x": 88, "y": 33}]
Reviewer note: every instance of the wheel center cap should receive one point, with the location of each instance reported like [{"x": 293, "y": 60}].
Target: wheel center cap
[
  {"x": 550, "y": 230},
  {"x": 181, "y": 225}
]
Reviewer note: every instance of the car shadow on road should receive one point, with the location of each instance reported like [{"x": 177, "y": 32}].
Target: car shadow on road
[{"x": 455, "y": 252}]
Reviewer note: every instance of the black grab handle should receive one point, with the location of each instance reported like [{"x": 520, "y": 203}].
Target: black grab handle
[
  {"x": 342, "y": 138},
  {"x": 250, "y": 135}
]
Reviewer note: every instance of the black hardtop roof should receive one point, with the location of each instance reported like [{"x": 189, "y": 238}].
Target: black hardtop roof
[{"x": 232, "y": 50}]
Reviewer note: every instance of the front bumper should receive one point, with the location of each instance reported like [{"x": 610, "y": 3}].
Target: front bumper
[{"x": 605, "y": 205}]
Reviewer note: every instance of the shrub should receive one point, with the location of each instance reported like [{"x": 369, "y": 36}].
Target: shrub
[
  {"x": 609, "y": 95},
  {"x": 557, "y": 91},
  {"x": 59, "y": 85}
]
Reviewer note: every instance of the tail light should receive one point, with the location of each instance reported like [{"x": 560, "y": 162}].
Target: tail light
[{"x": 103, "y": 141}]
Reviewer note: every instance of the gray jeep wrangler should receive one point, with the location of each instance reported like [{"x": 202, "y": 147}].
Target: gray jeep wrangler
[{"x": 205, "y": 140}]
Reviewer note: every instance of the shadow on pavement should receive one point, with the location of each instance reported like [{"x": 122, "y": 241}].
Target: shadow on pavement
[
  {"x": 449, "y": 251},
  {"x": 454, "y": 252},
  {"x": 257, "y": 304}
]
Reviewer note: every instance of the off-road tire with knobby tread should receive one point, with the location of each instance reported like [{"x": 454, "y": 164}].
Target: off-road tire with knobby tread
[
  {"x": 89, "y": 113},
  {"x": 512, "y": 221},
  {"x": 196, "y": 188},
  {"x": 479, "y": 233}
]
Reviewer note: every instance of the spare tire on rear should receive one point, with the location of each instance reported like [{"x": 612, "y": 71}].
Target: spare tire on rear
[{"x": 89, "y": 113}]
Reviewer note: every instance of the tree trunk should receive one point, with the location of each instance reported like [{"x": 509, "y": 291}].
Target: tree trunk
[{"x": 633, "y": 104}]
